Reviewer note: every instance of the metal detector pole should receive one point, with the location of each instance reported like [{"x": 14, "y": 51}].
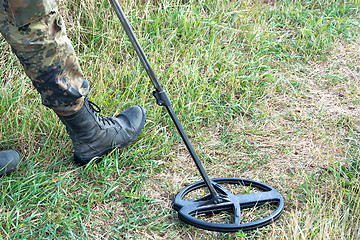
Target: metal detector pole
[{"x": 161, "y": 97}]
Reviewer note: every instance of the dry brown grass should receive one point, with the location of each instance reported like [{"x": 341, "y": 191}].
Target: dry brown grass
[{"x": 293, "y": 142}]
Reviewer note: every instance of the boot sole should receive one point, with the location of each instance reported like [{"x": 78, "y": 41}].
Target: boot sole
[{"x": 81, "y": 161}]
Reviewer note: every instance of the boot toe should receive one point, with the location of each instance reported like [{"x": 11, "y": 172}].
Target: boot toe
[
  {"x": 136, "y": 116},
  {"x": 9, "y": 160}
]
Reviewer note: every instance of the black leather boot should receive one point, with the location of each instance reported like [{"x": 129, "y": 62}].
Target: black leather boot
[
  {"x": 9, "y": 160},
  {"x": 94, "y": 136}
]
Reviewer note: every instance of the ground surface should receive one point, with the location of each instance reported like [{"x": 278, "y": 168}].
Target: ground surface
[{"x": 266, "y": 90}]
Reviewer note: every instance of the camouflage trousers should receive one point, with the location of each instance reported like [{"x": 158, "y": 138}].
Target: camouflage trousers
[{"x": 36, "y": 33}]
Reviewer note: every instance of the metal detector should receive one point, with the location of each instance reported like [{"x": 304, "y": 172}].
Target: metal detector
[{"x": 218, "y": 199}]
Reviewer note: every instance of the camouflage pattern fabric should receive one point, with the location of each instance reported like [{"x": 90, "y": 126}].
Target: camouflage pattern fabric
[{"x": 36, "y": 33}]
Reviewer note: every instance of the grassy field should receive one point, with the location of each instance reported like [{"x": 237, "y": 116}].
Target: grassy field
[{"x": 267, "y": 90}]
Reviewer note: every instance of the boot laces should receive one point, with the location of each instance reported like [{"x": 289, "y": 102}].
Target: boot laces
[{"x": 96, "y": 110}]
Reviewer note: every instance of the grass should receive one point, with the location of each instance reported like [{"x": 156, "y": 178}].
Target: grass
[{"x": 266, "y": 90}]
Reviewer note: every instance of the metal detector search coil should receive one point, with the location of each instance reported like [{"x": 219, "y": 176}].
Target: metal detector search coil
[{"x": 220, "y": 198}]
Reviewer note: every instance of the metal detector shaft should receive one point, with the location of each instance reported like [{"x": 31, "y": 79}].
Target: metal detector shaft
[{"x": 160, "y": 94}]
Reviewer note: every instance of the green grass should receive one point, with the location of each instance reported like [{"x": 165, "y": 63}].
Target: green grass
[{"x": 266, "y": 90}]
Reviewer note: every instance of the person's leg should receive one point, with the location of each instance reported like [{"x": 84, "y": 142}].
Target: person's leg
[
  {"x": 36, "y": 32},
  {"x": 39, "y": 40}
]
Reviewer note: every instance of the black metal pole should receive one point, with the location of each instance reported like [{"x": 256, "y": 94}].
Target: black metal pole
[
  {"x": 161, "y": 96},
  {"x": 192, "y": 153},
  {"x": 130, "y": 33}
]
